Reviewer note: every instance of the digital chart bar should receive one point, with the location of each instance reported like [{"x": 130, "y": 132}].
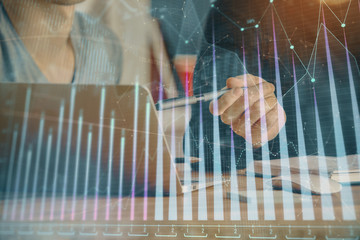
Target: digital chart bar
[
  {"x": 57, "y": 158},
  {"x": 347, "y": 202},
  {"x": 218, "y": 191},
  {"x": 9, "y": 178},
  {"x": 110, "y": 163},
  {"x": 288, "y": 201},
  {"x": 134, "y": 148},
  {"x": 26, "y": 183},
  {"x": 235, "y": 204},
  {"x": 68, "y": 148},
  {"x": 146, "y": 158},
  {"x": 268, "y": 195},
  {"x": 202, "y": 199},
  {"x": 187, "y": 200},
  {"x": 172, "y": 196},
  {"x": 252, "y": 208},
  {"x": 38, "y": 153},
  {"x": 77, "y": 160},
  {"x": 21, "y": 151},
  {"x": 306, "y": 199},
  {"x": 354, "y": 102},
  {"x": 98, "y": 161},
  {"x": 121, "y": 173},
  {"x": 88, "y": 156},
  {"x": 327, "y": 209},
  {"x": 45, "y": 183}
]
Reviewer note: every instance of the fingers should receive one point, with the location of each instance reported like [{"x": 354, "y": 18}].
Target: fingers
[
  {"x": 246, "y": 80},
  {"x": 261, "y": 134},
  {"x": 226, "y": 101},
  {"x": 236, "y": 84},
  {"x": 236, "y": 110},
  {"x": 250, "y": 97},
  {"x": 274, "y": 123},
  {"x": 258, "y": 110}
]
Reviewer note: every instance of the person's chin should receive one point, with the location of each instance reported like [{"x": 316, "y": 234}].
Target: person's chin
[{"x": 66, "y": 2}]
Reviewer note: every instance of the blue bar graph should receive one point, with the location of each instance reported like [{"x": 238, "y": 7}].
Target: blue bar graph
[
  {"x": 159, "y": 206},
  {"x": 121, "y": 173},
  {"x": 10, "y": 170},
  {"x": 146, "y": 158},
  {"x": 77, "y": 160},
  {"x": 21, "y": 152},
  {"x": 99, "y": 150},
  {"x": 326, "y": 199},
  {"x": 110, "y": 163},
  {"x": 57, "y": 158},
  {"x": 252, "y": 207},
  {"x": 347, "y": 202},
  {"x": 134, "y": 148},
  {"x": 354, "y": 102},
  {"x": 187, "y": 204},
  {"x": 306, "y": 199},
  {"x": 288, "y": 201},
  {"x": 218, "y": 191},
  {"x": 26, "y": 175},
  {"x": 38, "y": 153},
  {"x": 68, "y": 148},
  {"x": 45, "y": 182},
  {"x": 268, "y": 195},
  {"x": 172, "y": 195},
  {"x": 26, "y": 184},
  {"x": 235, "y": 203},
  {"x": 202, "y": 200},
  {"x": 86, "y": 187}
]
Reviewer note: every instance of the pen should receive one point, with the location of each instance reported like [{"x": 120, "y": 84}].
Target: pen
[{"x": 183, "y": 101}]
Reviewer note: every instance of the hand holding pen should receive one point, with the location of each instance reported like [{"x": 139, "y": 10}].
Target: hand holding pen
[{"x": 248, "y": 104}]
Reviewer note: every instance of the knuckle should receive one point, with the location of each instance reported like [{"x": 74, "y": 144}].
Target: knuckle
[
  {"x": 231, "y": 97},
  {"x": 271, "y": 102},
  {"x": 238, "y": 131},
  {"x": 269, "y": 106},
  {"x": 251, "y": 78},
  {"x": 225, "y": 119},
  {"x": 257, "y": 105},
  {"x": 225, "y": 100},
  {"x": 253, "y": 98},
  {"x": 239, "y": 76},
  {"x": 272, "y": 87},
  {"x": 264, "y": 81},
  {"x": 268, "y": 87},
  {"x": 249, "y": 75}
]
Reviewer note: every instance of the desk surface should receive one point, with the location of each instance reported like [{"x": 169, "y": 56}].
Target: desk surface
[{"x": 253, "y": 220}]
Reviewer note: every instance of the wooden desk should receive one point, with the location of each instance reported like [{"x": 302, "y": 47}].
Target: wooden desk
[{"x": 138, "y": 225}]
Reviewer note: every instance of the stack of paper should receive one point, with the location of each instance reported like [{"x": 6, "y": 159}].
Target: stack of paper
[
  {"x": 351, "y": 176},
  {"x": 341, "y": 169}
]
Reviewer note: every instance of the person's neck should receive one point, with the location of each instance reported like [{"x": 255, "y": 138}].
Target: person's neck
[{"x": 45, "y": 30}]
